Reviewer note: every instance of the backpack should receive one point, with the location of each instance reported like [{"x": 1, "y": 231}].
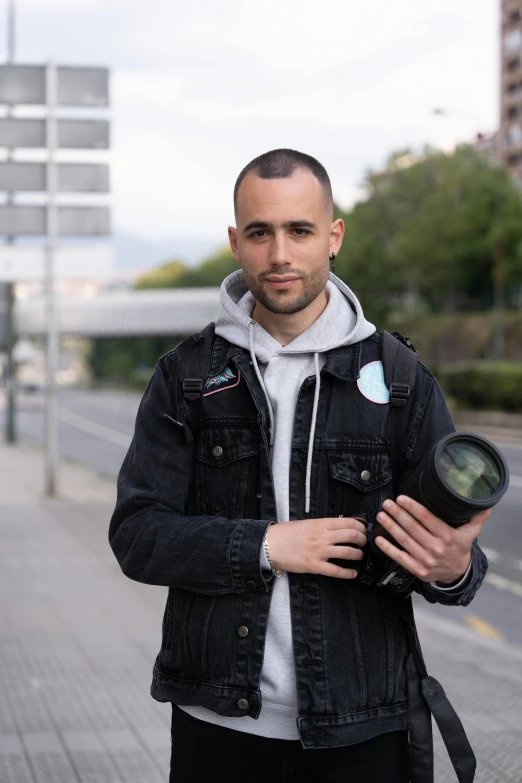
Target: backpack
[
  {"x": 426, "y": 696},
  {"x": 399, "y": 360}
]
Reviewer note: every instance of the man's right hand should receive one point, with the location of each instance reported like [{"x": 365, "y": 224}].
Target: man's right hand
[{"x": 304, "y": 546}]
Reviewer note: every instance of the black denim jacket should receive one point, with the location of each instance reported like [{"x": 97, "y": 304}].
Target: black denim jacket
[{"x": 193, "y": 516}]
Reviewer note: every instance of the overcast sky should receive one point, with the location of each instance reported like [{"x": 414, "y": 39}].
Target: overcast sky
[{"x": 200, "y": 88}]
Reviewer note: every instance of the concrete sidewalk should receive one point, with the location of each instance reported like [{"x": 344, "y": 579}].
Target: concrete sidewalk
[{"x": 78, "y": 640}]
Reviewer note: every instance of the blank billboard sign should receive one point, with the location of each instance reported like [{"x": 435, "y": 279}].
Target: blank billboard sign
[
  {"x": 25, "y": 84},
  {"x": 72, "y": 177},
  {"x": 72, "y": 221},
  {"x": 72, "y": 134}
]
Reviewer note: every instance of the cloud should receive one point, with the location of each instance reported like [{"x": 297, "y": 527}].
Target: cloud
[{"x": 200, "y": 89}]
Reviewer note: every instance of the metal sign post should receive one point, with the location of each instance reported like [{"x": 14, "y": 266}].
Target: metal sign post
[
  {"x": 53, "y": 86},
  {"x": 51, "y": 419},
  {"x": 10, "y": 337}
]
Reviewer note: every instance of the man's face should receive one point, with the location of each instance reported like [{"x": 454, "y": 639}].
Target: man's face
[{"x": 283, "y": 239}]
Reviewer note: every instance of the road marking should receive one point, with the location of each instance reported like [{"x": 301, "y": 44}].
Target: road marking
[
  {"x": 483, "y": 627},
  {"x": 90, "y": 427},
  {"x": 500, "y": 582}
]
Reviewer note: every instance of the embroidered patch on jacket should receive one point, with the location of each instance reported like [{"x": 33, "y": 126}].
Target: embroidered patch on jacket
[
  {"x": 371, "y": 383},
  {"x": 225, "y": 380}
]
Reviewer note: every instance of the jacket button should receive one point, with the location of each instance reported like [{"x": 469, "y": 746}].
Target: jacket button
[
  {"x": 242, "y": 704},
  {"x": 366, "y": 475},
  {"x": 242, "y": 631},
  {"x": 251, "y": 585},
  {"x": 217, "y": 451}
]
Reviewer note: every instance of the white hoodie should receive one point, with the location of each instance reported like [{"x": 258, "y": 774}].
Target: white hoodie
[{"x": 281, "y": 371}]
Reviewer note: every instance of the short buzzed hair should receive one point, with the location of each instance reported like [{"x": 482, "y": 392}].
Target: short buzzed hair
[{"x": 279, "y": 164}]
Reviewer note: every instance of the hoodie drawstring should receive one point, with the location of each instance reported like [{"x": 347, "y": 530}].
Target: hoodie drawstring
[
  {"x": 251, "y": 327},
  {"x": 312, "y": 433}
]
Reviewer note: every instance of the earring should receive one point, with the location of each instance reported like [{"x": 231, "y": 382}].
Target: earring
[{"x": 332, "y": 263}]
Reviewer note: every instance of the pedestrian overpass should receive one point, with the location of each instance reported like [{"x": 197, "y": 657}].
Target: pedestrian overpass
[{"x": 166, "y": 311}]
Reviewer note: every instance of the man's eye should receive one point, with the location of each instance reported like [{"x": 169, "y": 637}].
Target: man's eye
[
  {"x": 260, "y": 232},
  {"x": 301, "y": 232}
]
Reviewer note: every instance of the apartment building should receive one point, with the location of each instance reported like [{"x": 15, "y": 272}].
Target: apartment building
[{"x": 510, "y": 130}]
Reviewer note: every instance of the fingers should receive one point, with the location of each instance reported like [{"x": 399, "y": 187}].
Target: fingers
[
  {"x": 403, "y": 537},
  {"x": 330, "y": 569},
  {"x": 403, "y": 559},
  {"x": 343, "y": 523},
  {"x": 474, "y": 526},
  {"x": 345, "y": 552},
  {"x": 398, "y": 522},
  {"x": 437, "y": 527},
  {"x": 424, "y": 527},
  {"x": 350, "y": 536}
]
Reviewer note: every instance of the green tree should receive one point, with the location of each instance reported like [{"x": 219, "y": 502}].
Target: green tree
[
  {"x": 169, "y": 275},
  {"x": 428, "y": 231},
  {"x": 213, "y": 270},
  {"x": 210, "y": 271}
]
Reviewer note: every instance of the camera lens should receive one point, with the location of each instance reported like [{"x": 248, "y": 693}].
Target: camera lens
[
  {"x": 464, "y": 475},
  {"x": 469, "y": 470}
]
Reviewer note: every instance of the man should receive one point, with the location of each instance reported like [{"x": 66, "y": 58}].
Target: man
[{"x": 280, "y": 664}]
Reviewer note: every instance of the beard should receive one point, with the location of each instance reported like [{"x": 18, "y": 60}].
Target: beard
[{"x": 285, "y": 301}]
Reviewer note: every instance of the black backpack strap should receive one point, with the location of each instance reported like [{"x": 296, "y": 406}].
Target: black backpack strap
[
  {"x": 195, "y": 353},
  {"x": 426, "y": 697},
  {"x": 399, "y": 361}
]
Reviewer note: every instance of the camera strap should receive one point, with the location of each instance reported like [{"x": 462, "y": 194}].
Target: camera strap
[{"x": 426, "y": 697}]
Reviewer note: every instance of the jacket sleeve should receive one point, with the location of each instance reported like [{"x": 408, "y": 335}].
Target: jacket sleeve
[
  {"x": 431, "y": 421},
  {"x": 152, "y": 539}
]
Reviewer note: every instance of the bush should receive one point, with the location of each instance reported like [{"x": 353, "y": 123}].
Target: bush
[
  {"x": 490, "y": 385},
  {"x": 446, "y": 338},
  {"x": 127, "y": 361}
]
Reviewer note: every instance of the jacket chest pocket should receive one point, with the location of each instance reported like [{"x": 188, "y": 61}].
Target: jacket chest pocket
[
  {"x": 226, "y": 469},
  {"x": 359, "y": 481}
]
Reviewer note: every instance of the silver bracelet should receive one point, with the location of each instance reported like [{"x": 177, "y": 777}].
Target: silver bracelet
[{"x": 274, "y": 570}]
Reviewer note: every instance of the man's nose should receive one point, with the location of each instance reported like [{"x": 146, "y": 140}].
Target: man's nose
[{"x": 279, "y": 251}]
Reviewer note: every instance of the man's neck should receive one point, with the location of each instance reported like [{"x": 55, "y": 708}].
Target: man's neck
[{"x": 285, "y": 327}]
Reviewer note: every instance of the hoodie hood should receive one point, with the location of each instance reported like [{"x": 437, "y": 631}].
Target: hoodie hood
[{"x": 341, "y": 323}]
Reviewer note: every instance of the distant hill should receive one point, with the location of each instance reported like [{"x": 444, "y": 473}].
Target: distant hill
[{"x": 134, "y": 254}]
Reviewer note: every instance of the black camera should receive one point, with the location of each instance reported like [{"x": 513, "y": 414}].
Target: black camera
[{"x": 463, "y": 475}]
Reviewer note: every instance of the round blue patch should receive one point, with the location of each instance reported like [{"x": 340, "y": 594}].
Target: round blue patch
[{"x": 371, "y": 383}]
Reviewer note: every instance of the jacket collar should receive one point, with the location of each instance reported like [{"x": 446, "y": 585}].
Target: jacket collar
[
  {"x": 342, "y": 362},
  {"x": 222, "y": 353}
]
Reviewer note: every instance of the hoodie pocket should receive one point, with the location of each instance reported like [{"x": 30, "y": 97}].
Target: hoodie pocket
[{"x": 225, "y": 469}]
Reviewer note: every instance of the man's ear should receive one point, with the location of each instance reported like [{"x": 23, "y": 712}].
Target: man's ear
[
  {"x": 232, "y": 237},
  {"x": 336, "y": 235}
]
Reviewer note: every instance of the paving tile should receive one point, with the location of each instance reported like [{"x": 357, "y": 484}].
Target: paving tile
[{"x": 48, "y": 758}]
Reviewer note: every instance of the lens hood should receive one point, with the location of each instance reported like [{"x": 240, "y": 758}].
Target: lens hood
[{"x": 465, "y": 474}]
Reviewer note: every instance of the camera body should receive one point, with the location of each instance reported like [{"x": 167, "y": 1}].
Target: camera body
[{"x": 376, "y": 568}]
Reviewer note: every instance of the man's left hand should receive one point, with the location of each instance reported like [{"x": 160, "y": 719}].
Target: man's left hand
[{"x": 433, "y": 551}]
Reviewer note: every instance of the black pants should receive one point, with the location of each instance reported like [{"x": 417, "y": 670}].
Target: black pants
[{"x": 205, "y": 753}]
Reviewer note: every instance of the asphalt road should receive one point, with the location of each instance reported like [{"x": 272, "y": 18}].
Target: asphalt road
[{"x": 95, "y": 429}]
